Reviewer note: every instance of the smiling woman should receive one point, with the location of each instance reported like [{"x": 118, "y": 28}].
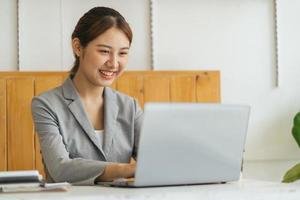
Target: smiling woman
[
  {"x": 103, "y": 59},
  {"x": 87, "y": 131},
  {"x": 107, "y": 41}
]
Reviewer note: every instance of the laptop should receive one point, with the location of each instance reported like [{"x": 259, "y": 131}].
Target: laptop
[{"x": 189, "y": 143}]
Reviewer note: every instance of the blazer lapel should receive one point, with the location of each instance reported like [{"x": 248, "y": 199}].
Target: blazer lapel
[
  {"x": 78, "y": 111},
  {"x": 111, "y": 110}
]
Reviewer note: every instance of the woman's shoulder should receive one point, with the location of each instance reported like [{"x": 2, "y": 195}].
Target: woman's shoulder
[{"x": 121, "y": 98}]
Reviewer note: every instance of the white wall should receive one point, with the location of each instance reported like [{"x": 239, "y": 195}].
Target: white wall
[
  {"x": 140, "y": 51},
  {"x": 40, "y": 35},
  {"x": 237, "y": 38},
  {"x": 233, "y": 36},
  {"x": 46, "y": 28},
  {"x": 8, "y": 35}
]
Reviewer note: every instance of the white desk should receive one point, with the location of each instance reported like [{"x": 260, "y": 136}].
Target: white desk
[
  {"x": 244, "y": 189},
  {"x": 261, "y": 182}
]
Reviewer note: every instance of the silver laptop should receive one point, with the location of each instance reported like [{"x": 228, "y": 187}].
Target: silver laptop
[{"x": 189, "y": 143}]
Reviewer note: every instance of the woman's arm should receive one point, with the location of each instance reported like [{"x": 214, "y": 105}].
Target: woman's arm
[
  {"x": 55, "y": 155},
  {"x": 117, "y": 170}
]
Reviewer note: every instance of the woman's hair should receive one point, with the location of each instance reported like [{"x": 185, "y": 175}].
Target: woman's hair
[{"x": 95, "y": 22}]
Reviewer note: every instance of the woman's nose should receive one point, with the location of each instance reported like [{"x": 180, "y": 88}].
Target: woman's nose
[{"x": 113, "y": 61}]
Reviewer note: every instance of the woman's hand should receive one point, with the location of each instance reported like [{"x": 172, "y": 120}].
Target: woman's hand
[{"x": 118, "y": 170}]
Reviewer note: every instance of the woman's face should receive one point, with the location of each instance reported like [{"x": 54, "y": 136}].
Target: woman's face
[{"x": 104, "y": 58}]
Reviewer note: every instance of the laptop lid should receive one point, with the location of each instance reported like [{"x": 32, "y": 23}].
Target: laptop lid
[{"x": 184, "y": 143}]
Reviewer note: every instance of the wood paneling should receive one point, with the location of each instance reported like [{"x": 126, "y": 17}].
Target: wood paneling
[
  {"x": 157, "y": 89},
  {"x": 17, "y": 74},
  {"x": 19, "y": 146},
  {"x": 19, "y": 123},
  {"x": 43, "y": 84},
  {"x": 3, "y": 130},
  {"x": 132, "y": 85},
  {"x": 183, "y": 89},
  {"x": 208, "y": 87}
]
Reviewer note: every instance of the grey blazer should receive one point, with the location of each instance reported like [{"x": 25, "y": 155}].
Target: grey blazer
[{"x": 70, "y": 149}]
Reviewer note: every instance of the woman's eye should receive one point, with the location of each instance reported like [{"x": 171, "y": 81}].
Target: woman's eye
[
  {"x": 123, "y": 53},
  {"x": 104, "y": 51}
]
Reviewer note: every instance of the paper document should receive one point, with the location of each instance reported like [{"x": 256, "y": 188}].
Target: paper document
[
  {"x": 27, "y": 181},
  {"x": 35, "y": 187}
]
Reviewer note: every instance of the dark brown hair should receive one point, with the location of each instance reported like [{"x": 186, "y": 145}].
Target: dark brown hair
[{"x": 95, "y": 22}]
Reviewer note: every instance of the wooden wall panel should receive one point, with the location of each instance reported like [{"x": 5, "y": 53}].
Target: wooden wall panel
[
  {"x": 20, "y": 125},
  {"x": 3, "y": 128},
  {"x": 133, "y": 86},
  {"x": 43, "y": 84},
  {"x": 65, "y": 75},
  {"x": 157, "y": 89},
  {"x": 183, "y": 88},
  {"x": 19, "y": 149},
  {"x": 208, "y": 87}
]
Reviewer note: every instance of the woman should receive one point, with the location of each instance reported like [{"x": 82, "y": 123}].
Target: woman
[{"x": 87, "y": 131}]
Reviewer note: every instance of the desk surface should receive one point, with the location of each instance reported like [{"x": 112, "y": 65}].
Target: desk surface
[
  {"x": 255, "y": 185},
  {"x": 244, "y": 189}
]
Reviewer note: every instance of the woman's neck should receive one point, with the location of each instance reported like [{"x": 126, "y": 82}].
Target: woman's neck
[{"x": 86, "y": 89}]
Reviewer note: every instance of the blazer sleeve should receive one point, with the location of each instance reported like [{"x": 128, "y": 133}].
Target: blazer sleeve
[
  {"x": 138, "y": 119},
  {"x": 55, "y": 155}
]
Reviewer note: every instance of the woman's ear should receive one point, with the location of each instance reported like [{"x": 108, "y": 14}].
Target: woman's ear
[{"x": 76, "y": 46}]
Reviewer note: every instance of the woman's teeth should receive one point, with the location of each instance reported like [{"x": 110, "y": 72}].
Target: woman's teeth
[{"x": 106, "y": 73}]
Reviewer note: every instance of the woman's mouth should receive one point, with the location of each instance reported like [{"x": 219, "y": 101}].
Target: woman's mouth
[{"x": 107, "y": 74}]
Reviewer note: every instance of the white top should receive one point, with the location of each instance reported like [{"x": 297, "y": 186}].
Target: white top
[{"x": 100, "y": 137}]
